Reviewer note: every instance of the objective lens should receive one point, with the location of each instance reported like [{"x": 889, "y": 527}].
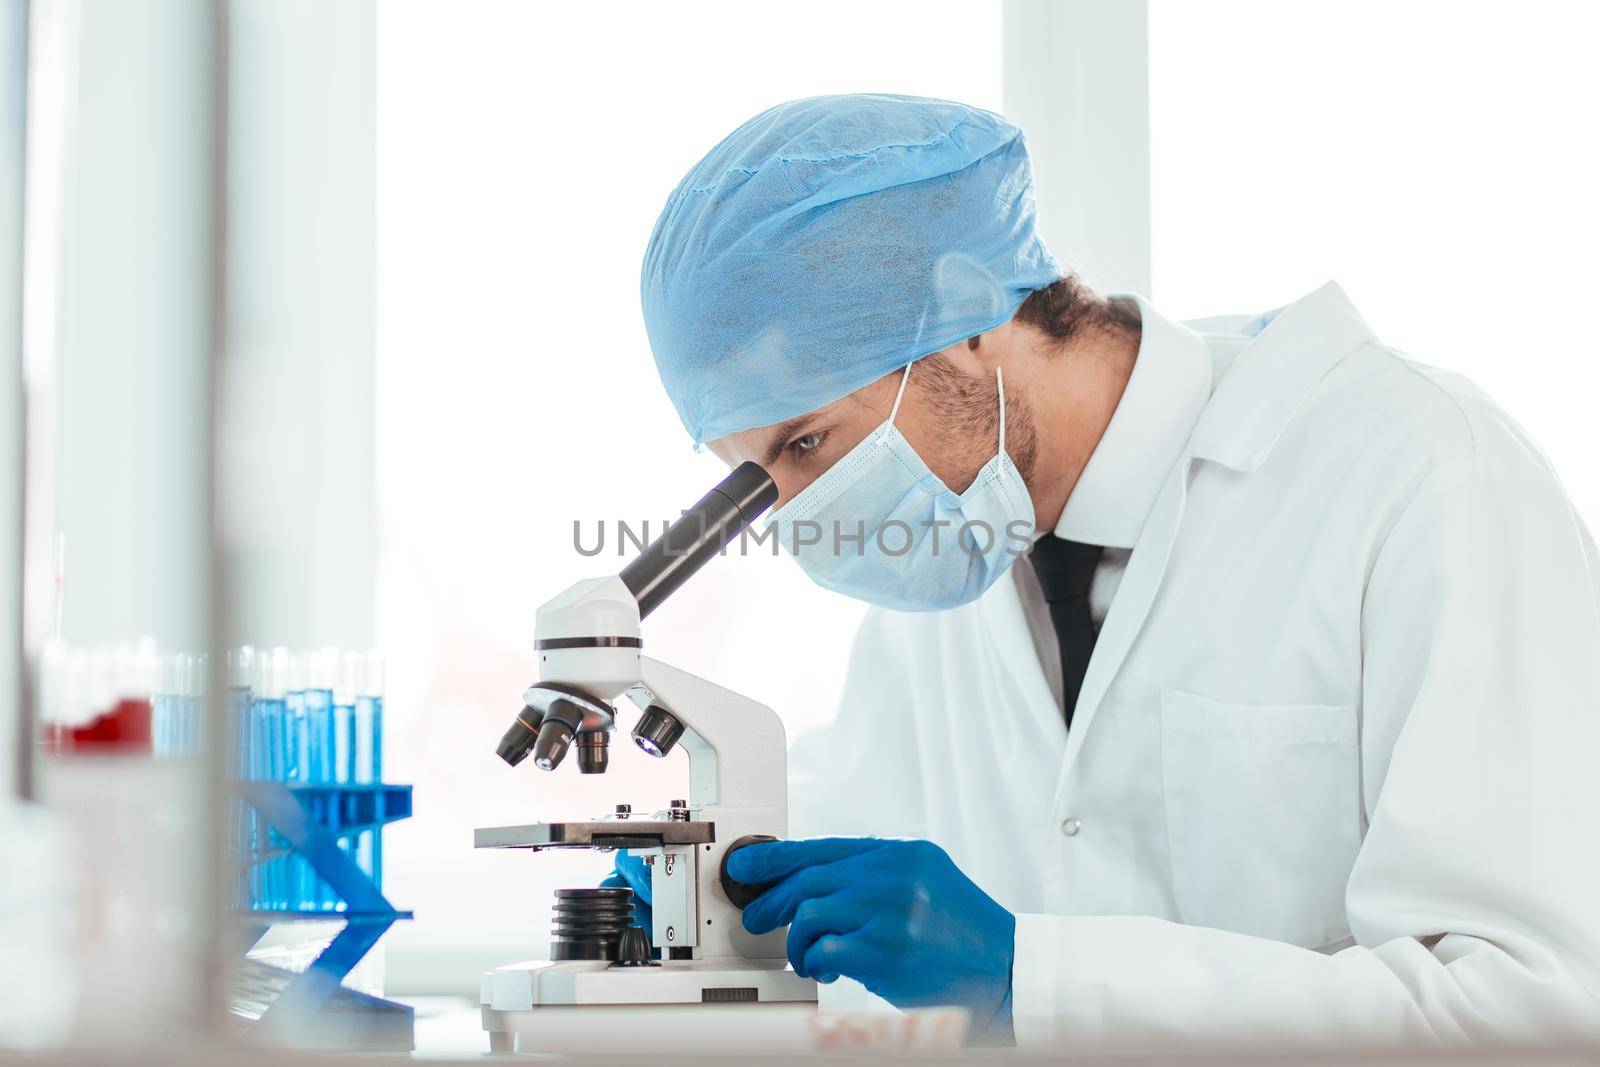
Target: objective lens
[
  {"x": 594, "y": 751},
  {"x": 658, "y": 731},
  {"x": 518, "y": 741},
  {"x": 554, "y": 738}
]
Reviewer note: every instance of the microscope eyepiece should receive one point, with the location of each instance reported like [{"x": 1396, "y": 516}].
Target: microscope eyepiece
[
  {"x": 698, "y": 535},
  {"x": 518, "y": 741}
]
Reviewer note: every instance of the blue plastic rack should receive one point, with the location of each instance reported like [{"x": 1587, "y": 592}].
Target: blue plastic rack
[{"x": 312, "y": 1007}]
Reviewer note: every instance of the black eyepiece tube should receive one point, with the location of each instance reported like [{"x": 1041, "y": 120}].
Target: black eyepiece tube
[{"x": 691, "y": 542}]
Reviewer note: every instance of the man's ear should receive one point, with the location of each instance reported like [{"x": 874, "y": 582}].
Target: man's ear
[{"x": 980, "y": 355}]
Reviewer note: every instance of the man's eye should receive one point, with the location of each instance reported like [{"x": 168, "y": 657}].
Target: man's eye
[{"x": 803, "y": 447}]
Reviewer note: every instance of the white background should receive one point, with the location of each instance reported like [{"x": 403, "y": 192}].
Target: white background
[
  {"x": 1440, "y": 160},
  {"x": 1437, "y": 159}
]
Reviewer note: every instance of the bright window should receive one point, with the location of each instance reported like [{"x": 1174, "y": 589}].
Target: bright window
[{"x": 524, "y": 151}]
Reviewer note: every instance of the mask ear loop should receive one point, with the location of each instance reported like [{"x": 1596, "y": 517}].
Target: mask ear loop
[
  {"x": 894, "y": 411},
  {"x": 1000, "y": 385}
]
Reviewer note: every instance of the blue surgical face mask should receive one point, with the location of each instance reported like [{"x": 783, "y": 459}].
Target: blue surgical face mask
[{"x": 881, "y": 527}]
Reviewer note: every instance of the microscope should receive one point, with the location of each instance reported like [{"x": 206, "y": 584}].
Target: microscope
[{"x": 604, "y": 989}]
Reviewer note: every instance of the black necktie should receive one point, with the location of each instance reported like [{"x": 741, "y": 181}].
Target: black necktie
[{"x": 1065, "y": 570}]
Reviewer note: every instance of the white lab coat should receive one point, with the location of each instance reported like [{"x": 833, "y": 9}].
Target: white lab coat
[{"x": 1330, "y": 778}]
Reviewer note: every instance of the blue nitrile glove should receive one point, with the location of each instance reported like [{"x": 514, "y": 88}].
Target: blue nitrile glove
[
  {"x": 631, "y": 872},
  {"x": 897, "y": 916}
]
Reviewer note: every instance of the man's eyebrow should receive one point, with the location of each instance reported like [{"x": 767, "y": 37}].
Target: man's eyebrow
[{"x": 781, "y": 436}]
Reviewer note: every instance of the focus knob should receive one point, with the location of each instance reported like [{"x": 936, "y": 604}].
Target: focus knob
[{"x": 739, "y": 894}]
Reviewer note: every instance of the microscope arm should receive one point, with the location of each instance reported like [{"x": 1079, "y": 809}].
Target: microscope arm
[{"x": 719, "y": 720}]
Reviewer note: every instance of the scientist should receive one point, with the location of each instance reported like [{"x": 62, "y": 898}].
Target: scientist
[{"x": 1234, "y": 680}]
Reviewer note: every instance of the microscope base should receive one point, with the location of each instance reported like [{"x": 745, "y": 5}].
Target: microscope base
[{"x": 685, "y": 1005}]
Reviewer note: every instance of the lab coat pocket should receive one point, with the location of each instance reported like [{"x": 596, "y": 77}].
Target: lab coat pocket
[{"x": 1263, "y": 815}]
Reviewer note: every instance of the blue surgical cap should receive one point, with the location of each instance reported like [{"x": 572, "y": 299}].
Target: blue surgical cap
[{"x": 830, "y": 241}]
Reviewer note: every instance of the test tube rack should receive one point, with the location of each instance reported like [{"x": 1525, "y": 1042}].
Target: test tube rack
[{"x": 312, "y": 1007}]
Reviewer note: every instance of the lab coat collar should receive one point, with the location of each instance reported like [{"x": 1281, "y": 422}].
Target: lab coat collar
[
  {"x": 1165, "y": 394},
  {"x": 1269, "y": 379}
]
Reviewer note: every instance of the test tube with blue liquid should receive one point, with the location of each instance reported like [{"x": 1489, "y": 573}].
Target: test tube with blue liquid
[
  {"x": 369, "y": 721},
  {"x": 352, "y": 672},
  {"x": 194, "y": 703},
  {"x": 176, "y": 708},
  {"x": 301, "y": 882},
  {"x": 241, "y": 676},
  {"x": 268, "y": 713},
  {"x": 314, "y": 719},
  {"x": 166, "y": 708},
  {"x": 296, "y": 763},
  {"x": 322, "y": 679},
  {"x": 369, "y": 760}
]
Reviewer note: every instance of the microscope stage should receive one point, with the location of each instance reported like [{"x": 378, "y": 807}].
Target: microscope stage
[{"x": 604, "y": 833}]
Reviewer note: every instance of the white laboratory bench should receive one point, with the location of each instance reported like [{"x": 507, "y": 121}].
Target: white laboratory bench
[{"x": 450, "y": 1030}]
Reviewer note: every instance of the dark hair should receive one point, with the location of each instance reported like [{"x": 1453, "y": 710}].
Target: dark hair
[{"x": 1068, "y": 309}]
